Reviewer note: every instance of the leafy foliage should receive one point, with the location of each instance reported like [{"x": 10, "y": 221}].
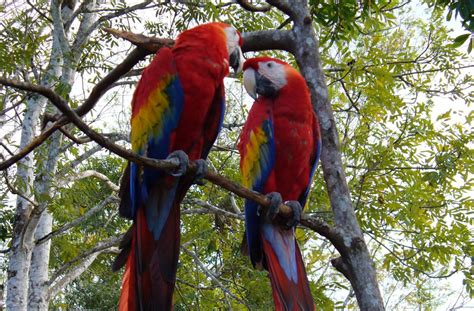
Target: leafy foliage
[{"x": 402, "y": 95}]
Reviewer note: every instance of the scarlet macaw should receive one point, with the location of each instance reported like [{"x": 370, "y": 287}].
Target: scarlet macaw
[
  {"x": 279, "y": 146},
  {"x": 177, "y": 111}
]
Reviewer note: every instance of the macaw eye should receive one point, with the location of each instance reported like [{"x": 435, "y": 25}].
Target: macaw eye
[{"x": 269, "y": 65}]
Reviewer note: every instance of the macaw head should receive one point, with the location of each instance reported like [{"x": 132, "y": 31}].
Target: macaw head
[
  {"x": 234, "y": 43},
  {"x": 220, "y": 38},
  {"x": 266, "y": 76}
]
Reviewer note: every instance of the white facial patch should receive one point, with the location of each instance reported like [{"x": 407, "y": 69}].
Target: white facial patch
[
  {"x": 273, "y": 71},
  {"x": 233, "y": 44},
  {"x": 232, "y": 39}
]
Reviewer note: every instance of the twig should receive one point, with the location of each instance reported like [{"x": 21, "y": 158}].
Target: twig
[
  {"x": 98, "y": 175},
  {"x": 102, "y": 245},
  {"x": 77, "y": 221},
  {"x": 15, "y": 191},
  {"x": 210, "y": 274}
]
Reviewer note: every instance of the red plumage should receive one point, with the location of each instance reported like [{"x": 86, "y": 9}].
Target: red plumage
[
  {"x": 286, "y": 157},
  {"x": 178, "y": 105}
]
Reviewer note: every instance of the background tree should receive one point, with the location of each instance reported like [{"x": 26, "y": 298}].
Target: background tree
[{"x": 401, "y": 95}]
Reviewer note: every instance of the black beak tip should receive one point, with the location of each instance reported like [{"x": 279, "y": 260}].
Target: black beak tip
[{"x": 234, "y": 60}]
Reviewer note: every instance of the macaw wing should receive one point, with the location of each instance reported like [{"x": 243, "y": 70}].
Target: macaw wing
[
  {"x": 257, "y": 149},
  {"x": 156, "y": 109},
  {"x": 214, "y": 120},
  {"x": 314, "y": 159}
]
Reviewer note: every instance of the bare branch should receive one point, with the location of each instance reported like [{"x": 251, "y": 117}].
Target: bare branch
[
  {"x": 268, "y": 40},
  {"x": 79, "y": 220},
  {"x": 210, "y": 275},
  {"x": 98, "y": 175},
  {"x": 284, "y": 6},
  {"x": 213, "y": 209},
  {"x": 152, "y": 44},
  {"x": 101, "y": 246},
  {"x": 253, "y": 41},
  {"x": 252, "y": 7},
  {"x": 69, "y": 135},
  {"x": 85, "y": 260}
]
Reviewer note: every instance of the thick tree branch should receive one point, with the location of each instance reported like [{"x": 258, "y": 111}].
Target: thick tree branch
[
  {"x": 253, "y": 41},
  {"x": 268, "y": 40},
  {"x": 151, "y": 44},
  {"x": 317, "y": 225},
  {"x": 72, "y": 275}
]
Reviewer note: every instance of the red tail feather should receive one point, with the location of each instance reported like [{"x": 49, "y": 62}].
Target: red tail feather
[
  {"x": 150, "y": 272},
  {"x": 288, "y": 295}
]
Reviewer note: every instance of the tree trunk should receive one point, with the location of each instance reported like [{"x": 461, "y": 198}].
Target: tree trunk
[
  {"x": 39, "y": 276},
  {"x": 28, "y": 271},
  {"x": 355, "y": 262},
  {"x": 20, "y": 251}
]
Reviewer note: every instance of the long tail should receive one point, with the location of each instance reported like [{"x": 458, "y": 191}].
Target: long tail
[
  {"x": 150, "y": 271},
  {"x": 290, "y": 286}
]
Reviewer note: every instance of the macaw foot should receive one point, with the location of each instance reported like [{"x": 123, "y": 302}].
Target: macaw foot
[
  {"x": 275, "y": 201},
  {"x": 201, "y": 171},
  {"x": 183, "y": 162},
  {"x": 297, "y": 209}
]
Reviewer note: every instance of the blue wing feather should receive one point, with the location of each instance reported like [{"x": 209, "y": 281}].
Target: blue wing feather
[
  {"x": 265, "y": 165},
  {"x": 148, "y": 187}
]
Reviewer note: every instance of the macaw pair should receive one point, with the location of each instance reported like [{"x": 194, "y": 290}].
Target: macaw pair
[{"x": 177, "y": 112}]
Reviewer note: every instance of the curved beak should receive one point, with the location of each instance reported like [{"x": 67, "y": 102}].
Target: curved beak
[
  {"x": 257, "y": 84},
  {"x": 236, "y": 60},
  {"x": 250, "y": 82}
]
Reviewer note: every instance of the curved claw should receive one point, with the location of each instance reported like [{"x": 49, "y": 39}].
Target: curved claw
[
  {"x": 183, "y": 162},
  {"x": 200, "y": 171},
  {"x": 275, "y": 201},
  {"x": 297, "y": 209}
]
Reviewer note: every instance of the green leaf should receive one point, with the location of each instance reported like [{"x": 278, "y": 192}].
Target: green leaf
[{"x": 459, "y": 40}]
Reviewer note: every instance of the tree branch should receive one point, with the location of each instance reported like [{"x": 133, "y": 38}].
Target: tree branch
[
  {"x": 317, "y": 225},
  {"x": 85, "y": 259},
  {"x": 77, "y": 221},
  {"x": 252, "y": 7},
  {"x": 101, "y": 246},
  {"x": 207, "y": 207},
  {"x": 284, "y": 6},
  {"x": 99, "y": 89},
  {"x": 210, "y": 275},
  {"x": 98, "y": 175},
  {"x": 268, "y": 40}
]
